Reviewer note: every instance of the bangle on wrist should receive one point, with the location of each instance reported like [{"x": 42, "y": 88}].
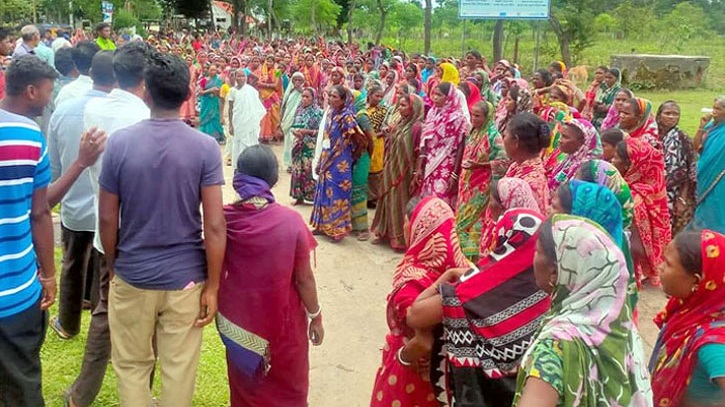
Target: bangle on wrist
[
  {"x": 44, "y": 279},
  {"x": 400, "y": 357},
  {"x": 315, "y": 314}
]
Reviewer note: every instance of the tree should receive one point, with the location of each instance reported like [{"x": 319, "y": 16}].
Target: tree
[
  {"x": 427, "y": 25},
  {"x": 571, "y": 22},
  {"x": 383, "y": 7},
  {"x": 325, "y": 13},
  {"x": 350, "y": 12},
  {"x": 405, "y": 17},
  {"x": 498, "y": 40}
]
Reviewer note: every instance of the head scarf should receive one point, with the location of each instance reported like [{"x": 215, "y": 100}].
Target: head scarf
[
  {"x": 598, "y": 204},
  {"x": 450, "y": 74},
  {"x": 249, "y": 187},
  {"x": 607, "y": 175},
  {"x": 647, "y": 126},
  {"x": 590, "y": 323},
  {"x": 689, "y": 324},
  {"x": 443, "y": 125},
  {"x": 514, "y": 193},
  {"x": 646, "y": 179},
  {"x": 606, "y": 94},
  {"x": 487, "y": 93},
  {"x": 591, "y": 148},
  {"x": 490, "y": 315},
  {"x": 524, "y": 103},
  {"x": 474, "y": 96},
  {"x": 433, "y": 246}
]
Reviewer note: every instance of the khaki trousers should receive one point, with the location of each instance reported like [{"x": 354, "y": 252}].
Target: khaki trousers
[{"x": 134, "y": 315}]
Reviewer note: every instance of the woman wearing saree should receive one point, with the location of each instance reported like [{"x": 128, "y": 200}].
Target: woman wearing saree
[
  {"x": 586, "y": 106},
  {"x": 433, "y": 249},
  {"x": 484, "y": 83},
  {"x": 637, "y": 120},
  {"x": 484, "y": 343},
  {"x": 710, "y": 141},
  {"x": 598, "y": 204},
  {"x": 391, "y": 84},
  {"x": 290, "y": 102},
  {"x": 612, "y": 119},
  {"x": 441, "y": 146},
  {"x": 187, "y": 112},
  {"x": 210, "y": 121},
  {"x": 680, "y": 166},
  {"x": 580, "y": 142},
  {"x": 377, "y": 112},
  {"x": 270, "y": 92},
  {"x": 304, "y": 130},
  {"x": 606, "y": 93},
  {"x": 688, "y": 361},
  {"x": 331, "y": 214},
  {"x": 583, "y": 355},
  {"x": 644, "y": 170},
  {"x": 245, "y": 115},
  {"x": 472, "y": 93},
  {"x": 403, "y": 140},
  {"x": 265, "y": 301},
  {"x": 605, "y": 174},
  {"x": 517, "y": 100},
  {"x": 484, "y": 160}
]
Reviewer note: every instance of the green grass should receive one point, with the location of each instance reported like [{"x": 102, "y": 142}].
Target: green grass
[
  {"x": 690, "y": 101},
  {"x": 62, "y": 362}
]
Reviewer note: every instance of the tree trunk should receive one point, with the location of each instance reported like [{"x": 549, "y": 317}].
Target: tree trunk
[
  {"x": 243, "y": 5},
  {"x": 211, "y": 15},
  {"x": 498, "y": 41},
  {"x": 427, "y": 26},
  {"x": 312, "y": 17},
  {"x": 350, "y": 12},
  {"x": 381, "y": 28},
  {"x": 563, "y": 40},
  {"x": 269, "y": 17}
]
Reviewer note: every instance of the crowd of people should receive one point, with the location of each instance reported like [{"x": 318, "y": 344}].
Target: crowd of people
[{"x": 530, "y": 214}]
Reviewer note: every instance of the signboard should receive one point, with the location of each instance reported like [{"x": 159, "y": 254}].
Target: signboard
[
  {"x": 107, "y": 11},
  {"x": 504, "y": 9}
]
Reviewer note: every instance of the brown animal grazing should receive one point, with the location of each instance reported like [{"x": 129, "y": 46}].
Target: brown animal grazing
[{"x": 578, "y": 74}]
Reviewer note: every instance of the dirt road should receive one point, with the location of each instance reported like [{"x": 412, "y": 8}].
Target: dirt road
[{"x": 353, "y": 281}]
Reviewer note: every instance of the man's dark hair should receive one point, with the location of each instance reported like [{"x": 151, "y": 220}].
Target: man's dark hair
[
  {"x": 102, "y": 26},
  {"x": 129, "y": 63},
  {"x": 64, "y": 61},
  {"x": 102, "y": 69},
  {"x": 25, "y": 71},
  {"x": 167, "y": 80},
  {"x": 4, "y": 33},
  {"x": 83, "y": 54}
]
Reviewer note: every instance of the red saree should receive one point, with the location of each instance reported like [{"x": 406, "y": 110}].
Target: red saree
[
  {"x": 646, "y": 179},
  {"x": 432, "y": 250}
]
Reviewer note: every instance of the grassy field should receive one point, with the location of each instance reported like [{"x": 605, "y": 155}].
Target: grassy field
[{"x": 62, "y": 363}]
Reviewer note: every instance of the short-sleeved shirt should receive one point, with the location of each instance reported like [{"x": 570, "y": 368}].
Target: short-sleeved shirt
[
  {"x": 24, "y": 168},
  {"x": 710, "y": 366},
  {"x": 158, "y": 169}
]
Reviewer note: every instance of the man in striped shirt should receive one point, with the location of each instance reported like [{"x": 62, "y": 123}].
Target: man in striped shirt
[{"x": 27, "y": 272}]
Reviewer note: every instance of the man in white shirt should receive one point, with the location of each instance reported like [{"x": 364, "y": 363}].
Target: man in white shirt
[
  {"x": 83, "y": 54},
  {"x": 122, "y": 107}
]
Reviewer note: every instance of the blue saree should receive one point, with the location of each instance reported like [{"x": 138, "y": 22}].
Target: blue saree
[
  {"x": 710, "y": 183},
  {"x": 210, "y": 111}
]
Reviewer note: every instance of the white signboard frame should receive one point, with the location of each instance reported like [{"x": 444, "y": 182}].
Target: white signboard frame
[{"x": 504, "y": 9}]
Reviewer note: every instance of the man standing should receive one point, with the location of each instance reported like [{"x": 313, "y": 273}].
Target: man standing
[
  {"x": 78, "y": 218},
  {"x": 30, "y": 39},
  {"x": 128, "y": 64},
  {"x": 4, "y": 51},
  {"x": 26, "y": 226},
  {"x": 83, "y": 54},
  {"x": 103, "y": 31},
  {"x": 166, "y": 277}
]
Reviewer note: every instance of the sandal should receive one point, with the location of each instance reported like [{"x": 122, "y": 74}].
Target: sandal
[
  {"x": 364, "y": 236},
  {"x": 62, "y": 334}
]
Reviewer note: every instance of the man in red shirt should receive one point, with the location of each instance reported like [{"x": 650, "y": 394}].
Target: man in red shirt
[{"x": 5, "y": 47}]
